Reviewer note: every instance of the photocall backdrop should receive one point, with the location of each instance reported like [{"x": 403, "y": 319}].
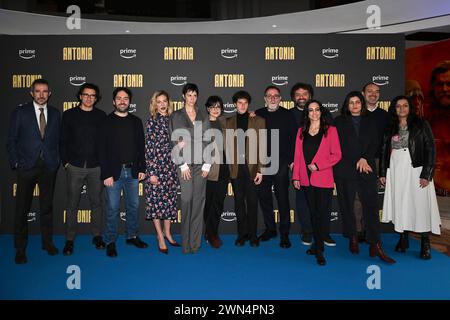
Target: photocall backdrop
[{"x": 218, "y": 64}]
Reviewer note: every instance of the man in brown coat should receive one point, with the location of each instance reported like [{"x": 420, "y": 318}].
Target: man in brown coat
[{"x": 245, "y": 149}]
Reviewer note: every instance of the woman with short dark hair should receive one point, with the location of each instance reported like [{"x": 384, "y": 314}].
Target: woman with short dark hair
[{"x": 219, "y": 174}]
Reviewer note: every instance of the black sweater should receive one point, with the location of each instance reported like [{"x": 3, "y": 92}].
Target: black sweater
[
  {"x": 109, "y": 153},
  {"x": 282, "y": 120},
  {"x": 79, "y": 137}
]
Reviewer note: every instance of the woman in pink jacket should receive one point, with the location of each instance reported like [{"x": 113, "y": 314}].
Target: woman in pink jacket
[{"x": 317, "y": 150}]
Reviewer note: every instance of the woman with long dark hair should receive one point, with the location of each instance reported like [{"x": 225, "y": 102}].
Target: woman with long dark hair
[
  {"x": 359, "y": 140},
  {"x": 407, "y": 165},
  {"x": 317, "y": 150}
]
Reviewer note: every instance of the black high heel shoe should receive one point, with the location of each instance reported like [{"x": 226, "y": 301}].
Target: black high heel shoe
[
  {"x": 165, "y": 251},
  {"x": 173, "y": 244}
]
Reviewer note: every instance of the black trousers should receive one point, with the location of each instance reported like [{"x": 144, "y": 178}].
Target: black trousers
[
  {"x": 215, "y": 196},
  {"x": 26, "y": 181},
  {"x": 366, "y": 186},
  {"x": 303, "y": 214},
  {"x": 280, "y": 181},
  {"x": 245, "y": 203},
  {"x": 76, "y": 177},
  {"x": 319, "y": 202}
]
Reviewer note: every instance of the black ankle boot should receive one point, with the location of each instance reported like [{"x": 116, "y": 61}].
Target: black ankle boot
[
  {"x": 403, "y": 242},
  {"x": 320, "y": 258},
  {"x": 425, "y": 248}
]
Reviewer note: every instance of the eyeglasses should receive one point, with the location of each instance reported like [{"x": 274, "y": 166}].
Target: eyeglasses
[
  {"x": 275, "y": 96},
  {"x": 214, "y": 107},
  {"x": 91, "y": 96}
]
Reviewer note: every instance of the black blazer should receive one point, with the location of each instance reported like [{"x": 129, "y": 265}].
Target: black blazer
[
  {"x": 355, "y": 147},
  {"x": 107, "y": 149},
  {"x": 24, "y": 142},
  {"x": 421, "y": 148}
]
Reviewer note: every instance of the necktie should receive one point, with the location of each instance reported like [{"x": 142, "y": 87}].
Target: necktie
[{"x": 42, "y": 123}]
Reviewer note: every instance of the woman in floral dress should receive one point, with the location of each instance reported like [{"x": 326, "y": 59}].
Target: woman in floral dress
[{"x": 161, "y": 183}]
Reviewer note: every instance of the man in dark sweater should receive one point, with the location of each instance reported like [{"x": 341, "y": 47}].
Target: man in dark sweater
[
  {"x": 122, "y": 162},
  {"x": 280, "y": 120},
  {"x": 301, "y": 93},
  {"x": 371, "y": 93},
  {"x": 78, "y": 148}
]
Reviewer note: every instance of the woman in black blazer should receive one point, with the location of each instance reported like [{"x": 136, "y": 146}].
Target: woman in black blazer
[{"x": 356, "y": 173}]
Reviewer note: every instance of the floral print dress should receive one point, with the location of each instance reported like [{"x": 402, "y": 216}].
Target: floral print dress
[{"x": 161, "y": 199}]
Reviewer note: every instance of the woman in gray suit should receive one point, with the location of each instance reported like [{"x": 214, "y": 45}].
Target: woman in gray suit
[{"x": 188, "y": 126}]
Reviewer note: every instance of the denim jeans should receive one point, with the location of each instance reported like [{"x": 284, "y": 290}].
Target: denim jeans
[{"x": 130, "y": 188}]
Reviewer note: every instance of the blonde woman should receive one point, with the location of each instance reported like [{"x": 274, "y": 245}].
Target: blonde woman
[{"x": 161, "y": 184}]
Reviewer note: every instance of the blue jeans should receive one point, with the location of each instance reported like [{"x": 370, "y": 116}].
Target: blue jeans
[{"x": 130, "y": 188}]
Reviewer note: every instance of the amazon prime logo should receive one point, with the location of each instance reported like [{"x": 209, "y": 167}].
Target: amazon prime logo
[
  {"x": 128, "y": 53},
  {"x": 229, "y": 53},
  {"x": 332, "y": 107},
  {"x": 31, "y": 216},
  {"x": 27, "y": 54},
  {"x": 229, "y": 108},
  {"x": 330, "y": 53},
  {"x": 280, "y": 80},
  {"x": 380, "y": 80},
  {"x": 334, "y": 216},
  {"x": 77, "y": 80},
  {"x": 228, "y": 216},
  {"x": 178, "y": 80}
]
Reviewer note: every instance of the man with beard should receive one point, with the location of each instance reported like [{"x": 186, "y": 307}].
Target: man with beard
[
  {"x": 439, "y": 118},
  {"x": 122, "y": 162},
  {"x": 33, "y": 149},
  {"x": 301, "y": 93}
]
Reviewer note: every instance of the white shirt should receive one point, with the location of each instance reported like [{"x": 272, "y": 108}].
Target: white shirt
[{"x": 38, "y": 112}]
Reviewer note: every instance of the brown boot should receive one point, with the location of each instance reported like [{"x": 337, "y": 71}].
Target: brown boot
[
  {"x": 353, "y": 245},
  {"x": 215, "y": 242},
  {"x": 377, "y": 250}
]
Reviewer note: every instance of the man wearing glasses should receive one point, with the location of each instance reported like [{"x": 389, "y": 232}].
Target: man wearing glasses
[
  {"x": 78, "y": 150},
  {"x": 277, "y": 118}
]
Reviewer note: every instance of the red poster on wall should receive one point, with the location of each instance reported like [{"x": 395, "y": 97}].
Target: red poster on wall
[{"x": 428, "y": 82}]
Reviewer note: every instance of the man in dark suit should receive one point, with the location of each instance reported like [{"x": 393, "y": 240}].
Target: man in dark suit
[
  {"x": 243, "y": 151},
  {"x": 33, "y": 149}
]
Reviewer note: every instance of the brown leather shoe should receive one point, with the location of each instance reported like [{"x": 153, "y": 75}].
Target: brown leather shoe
[
  {"x": 377, "y": 250},
  {"x": 215, "y": 242},
  {"x": 353, "y": 245}
]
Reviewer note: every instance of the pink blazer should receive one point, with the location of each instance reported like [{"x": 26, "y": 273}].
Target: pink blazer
[{"x": 328, "y": 154}]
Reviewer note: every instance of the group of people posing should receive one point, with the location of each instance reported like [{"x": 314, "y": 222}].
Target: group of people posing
[{"x": 199, "y": 151}]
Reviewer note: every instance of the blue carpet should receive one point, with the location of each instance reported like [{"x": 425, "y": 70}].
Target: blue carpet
[{"x": 267, "y": 272}]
